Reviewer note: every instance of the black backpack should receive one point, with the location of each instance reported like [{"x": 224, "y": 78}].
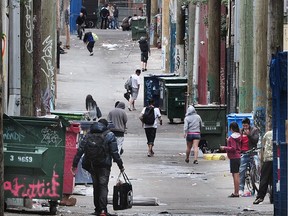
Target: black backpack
[
  {"x": 95, "y": 150},
  {"x": 149, "y": 116}
]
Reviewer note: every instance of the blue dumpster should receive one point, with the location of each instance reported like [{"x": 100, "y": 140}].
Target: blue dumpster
[{"x": 238, "y": 117}]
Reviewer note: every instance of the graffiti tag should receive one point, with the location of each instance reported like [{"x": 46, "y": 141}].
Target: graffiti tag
[
  {"x": 39, "y": 189},
  {"x": 50, "y": 137},
  {"x": 29, "y": 27}
]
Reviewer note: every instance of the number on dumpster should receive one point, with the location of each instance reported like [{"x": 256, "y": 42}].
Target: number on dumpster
[
  {"x": 25, "y": 159},
  {"x": 11, "y": 157}
]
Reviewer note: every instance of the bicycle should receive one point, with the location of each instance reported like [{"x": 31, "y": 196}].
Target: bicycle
[{"x": 253, "y": 172}]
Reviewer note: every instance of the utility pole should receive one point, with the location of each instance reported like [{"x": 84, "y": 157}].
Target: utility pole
[
  {"x": 1, "y": 120},
  {"x": 275, "y": 43},
  {"x": 260, "y": 64},
  {"x": 165, "y": 36},
  {"x": 180, "y": 32},
  {"x": 66, "y": 8},
  {"x": 154, "y": 11},
  {"x": 14, "y": 103},
  {"x": 26, "y": 58},
  {"x": 48, "y": 56},
  {"x": 246, "y": 57},
  {"x": 190, "y": 52},
  {"x": 214, "y": 20},
  {"x": 37, "y": 38}
]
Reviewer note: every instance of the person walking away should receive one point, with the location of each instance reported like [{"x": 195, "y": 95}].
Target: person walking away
[
  {"x": 145, "y": 50},
  {"x": 80, "y": 24},
  {"x": 266, "y": 177},
  {"x": 90, "y": 39},
  {"x": 135, "y": 89},
  {"x": 119, "y": 119},
  {"x": 104, "y": 13},
  {"x": 99, "y": 147},
  {"x": 233, "y": 150},
  {"x": 250, "y": 137},
  {"x": 149, "y": 117},
  {"x": 91, "y": 107},
  {"x": 116, "y": 16},
  {"x": 192, "y": 128}
]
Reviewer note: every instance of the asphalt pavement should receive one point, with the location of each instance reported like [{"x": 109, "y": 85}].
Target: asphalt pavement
[{"x": 163, "y": 184}]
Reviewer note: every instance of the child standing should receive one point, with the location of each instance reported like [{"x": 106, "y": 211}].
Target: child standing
[
  {"x": 89, "y": 39},
  {"x": 233, "y": 150}
]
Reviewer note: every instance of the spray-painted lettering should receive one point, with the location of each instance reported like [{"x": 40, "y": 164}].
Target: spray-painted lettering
[
  {"x": 50, "y": 137},
  {"x": 48, "y": 71},
  {"x": 11, "y": 134},
  {"x": 29, "y": 27},
  {"x": 37, "y": 189}
]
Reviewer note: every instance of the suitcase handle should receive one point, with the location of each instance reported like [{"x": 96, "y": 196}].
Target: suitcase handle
[{"x": 126, "y": 179}]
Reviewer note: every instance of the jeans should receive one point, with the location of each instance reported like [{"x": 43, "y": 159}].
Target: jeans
[
  {"x": 100, "y": 178},
  {"x": 245, "y": 158},
  {"x": 116, "y": 22}
]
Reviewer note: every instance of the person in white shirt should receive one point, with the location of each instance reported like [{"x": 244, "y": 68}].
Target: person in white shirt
[{"x": 135, "y": 89}]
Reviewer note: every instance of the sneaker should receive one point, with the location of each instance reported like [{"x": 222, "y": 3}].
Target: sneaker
[
  {"x": 91, "y": 54},
  {"x": 195, "y": 162},
  {"x": 258, "y": 201},
  {"x": 241, "y": 193},
  {"x": 145, "y": 69},
  {"x": 149, "y": 154}
]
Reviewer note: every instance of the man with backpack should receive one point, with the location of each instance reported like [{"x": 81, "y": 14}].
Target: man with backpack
[
  {"x": 149, "y": 116},
  {"x": 99, "y": 147},
  {"x": 145, "y": 50}
]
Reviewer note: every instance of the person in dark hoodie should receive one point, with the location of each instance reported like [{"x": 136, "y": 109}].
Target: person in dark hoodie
[
  {"x": 99, "y": 171},
  {"x": 145, "y": 50},
  {"x": 233, "y": 150},
  {"x": 119, "y": 119},
  {"x": 192, "y": 128}
]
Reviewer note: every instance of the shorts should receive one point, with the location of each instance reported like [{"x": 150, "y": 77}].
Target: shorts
[
  {"x": 193, "y": 136},
  {"x": 134, "y": 93},
  {"x": 234, "y": 165},
  {"x": 144, "y": 56}
]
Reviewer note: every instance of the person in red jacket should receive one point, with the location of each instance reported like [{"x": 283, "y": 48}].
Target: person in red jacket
[{"x": 233, "y": 150}]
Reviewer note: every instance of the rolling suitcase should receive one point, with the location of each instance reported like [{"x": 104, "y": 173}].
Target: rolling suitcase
[{"x": 122, "y": 193}]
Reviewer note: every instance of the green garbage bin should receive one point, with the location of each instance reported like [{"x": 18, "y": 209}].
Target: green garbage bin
[
  {"x": 34, "y": 151},
  {"x": 213, "y": 130},
  {"x": 70, "y": 115},
  {"x": 176, "y": 97},
  {"x": 138, "y": 27},
  {"x": 162, "y": 82}
]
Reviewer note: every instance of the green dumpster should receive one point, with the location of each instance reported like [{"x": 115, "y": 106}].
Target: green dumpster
[
  {"x": 163, "y": 95},
  {"x": 176, "y": 97},
  {"x": 138, "y": 27},
  {"x": 213, "y": 130},
  {"x": 34, "y": 151},
  {"x": 70, "y": 115}
]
